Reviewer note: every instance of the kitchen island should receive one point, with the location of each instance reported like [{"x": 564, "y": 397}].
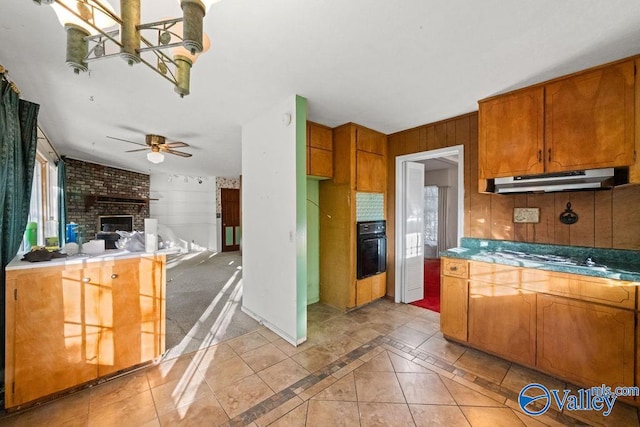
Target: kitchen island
[
  {"x": 549, "y": 307},
  {"x": 71, "y": 321}
]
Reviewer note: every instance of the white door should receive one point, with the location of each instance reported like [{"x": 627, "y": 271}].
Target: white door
[{"x": 413, "y": 229}]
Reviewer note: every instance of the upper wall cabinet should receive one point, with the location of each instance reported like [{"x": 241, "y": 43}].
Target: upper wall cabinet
[
  {"x": 319, "y": 150},
  {"x": 511, "y": 135},
  {"x": 583, "y": 121},
  {"x": 589, "y": 120},
  {"x": 371, "y": 163}
]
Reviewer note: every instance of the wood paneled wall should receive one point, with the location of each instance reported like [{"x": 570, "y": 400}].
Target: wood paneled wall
[{"x": 607, "y": 218}]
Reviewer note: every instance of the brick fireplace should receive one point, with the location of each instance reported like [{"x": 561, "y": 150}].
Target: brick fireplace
[{"x": 92, "y": 179}]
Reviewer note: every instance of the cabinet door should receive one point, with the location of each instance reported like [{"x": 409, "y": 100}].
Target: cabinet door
[
  {"x": 371, "y": 172},
  {"x": 502, "y": 320},
  {"x": 319, "y": 136},
  {"x": 453, "y": 307},
  {"x": 320, "y": 162},
  {"x": 371, "y": 141},
  {"x": 130, "y": 309},
  {"x": 510, "y": 138},
  {"x": 363, "y": 291},
  {"x": 589, "y": 120},
  {"x": 55, "y": 331},
  {"x": 379, "y": 286},
  {"x": 319, "y": 150},
  {"x": 585, "y": 343}
]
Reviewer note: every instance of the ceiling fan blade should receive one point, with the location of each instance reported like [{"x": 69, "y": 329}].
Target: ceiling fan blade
[
  {"x": 176, "y": 144},
  {"x": 177, "y": 153},
  {"x": 126, "y": 140},
  {"x": 139, "y": 149}
]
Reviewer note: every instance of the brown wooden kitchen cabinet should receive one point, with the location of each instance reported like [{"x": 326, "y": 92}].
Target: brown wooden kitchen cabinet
[
  {"x": 582, "y": 121},
  {"x": 52, "y": 331},
  {"x": 319, "y": 150},
  {"x": 589, "y": 119},
  {"x": 579, "y": 328},
  {"x": 131, "y": 313},
  {"x": 371, "y": 163},
  {"x": 359, "y": 165},
  {"x": 502, "y": 320},
  {"x": 511, "y": 134},
  {"x": 502, "y": 315},
  {"x": 585, "y": 343},
  {"x": 70, "y": 324},
  {"x": 454, "y": 294}
]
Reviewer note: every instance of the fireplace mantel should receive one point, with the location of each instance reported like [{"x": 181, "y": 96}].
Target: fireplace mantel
[{"x": 118, "y": 199}]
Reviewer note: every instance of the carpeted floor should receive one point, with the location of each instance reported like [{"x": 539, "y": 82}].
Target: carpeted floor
[
  {"x": 204, "y": 291},
  {"x": 431, "y": 298}
]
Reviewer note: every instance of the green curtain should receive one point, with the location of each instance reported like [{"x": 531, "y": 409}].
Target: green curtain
[
  {"x": 18, "y": 140},
  {"x": 62, "y": 205}
]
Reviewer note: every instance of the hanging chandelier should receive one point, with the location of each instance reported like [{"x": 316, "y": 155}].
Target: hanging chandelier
[{"x": 95, "y": 31}]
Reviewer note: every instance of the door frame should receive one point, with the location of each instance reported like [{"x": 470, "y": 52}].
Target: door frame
[{"x": 400, "y": 202}]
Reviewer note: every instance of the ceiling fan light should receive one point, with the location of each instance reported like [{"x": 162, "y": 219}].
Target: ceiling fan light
[{"x": 155, "y": 157}]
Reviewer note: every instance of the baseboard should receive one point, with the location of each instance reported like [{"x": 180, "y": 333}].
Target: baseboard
[{"x": 285, "y": 336}]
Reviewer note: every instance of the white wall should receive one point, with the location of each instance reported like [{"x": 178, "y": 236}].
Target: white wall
[
  {"x": 187, "y": 208},
  {"x": 274, "y": 219}
]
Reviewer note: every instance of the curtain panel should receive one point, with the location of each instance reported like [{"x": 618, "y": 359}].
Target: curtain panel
[
  {"x": 18, "y": 140},
  {"x": 443, "y": 216}
]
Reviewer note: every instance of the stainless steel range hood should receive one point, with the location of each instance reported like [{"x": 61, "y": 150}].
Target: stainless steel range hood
[{"x": 560, "y": 181}]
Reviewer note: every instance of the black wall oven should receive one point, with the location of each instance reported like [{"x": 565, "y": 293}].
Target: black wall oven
[{"x": 371, "y": 252}]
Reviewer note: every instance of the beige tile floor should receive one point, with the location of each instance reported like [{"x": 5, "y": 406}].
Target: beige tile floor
[{"x": 385, "y": 364}]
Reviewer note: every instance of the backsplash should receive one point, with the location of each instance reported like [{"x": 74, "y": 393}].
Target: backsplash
[{"x": 369, "y": 206}]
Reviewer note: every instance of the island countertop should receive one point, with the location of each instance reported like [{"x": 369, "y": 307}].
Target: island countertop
[
  {"x": 108, "y": 255},
  {"x": 615, "y": 264}
]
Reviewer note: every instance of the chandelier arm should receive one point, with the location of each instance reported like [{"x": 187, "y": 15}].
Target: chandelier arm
[
  {"x": 152, "y": 25},
  {"x": 171, "y": 79}
]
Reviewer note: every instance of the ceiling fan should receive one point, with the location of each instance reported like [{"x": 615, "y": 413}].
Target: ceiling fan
[{"x": 158, "y": 145}]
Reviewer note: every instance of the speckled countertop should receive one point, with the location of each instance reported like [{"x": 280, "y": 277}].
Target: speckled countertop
[{"x": 608, "y": 263}]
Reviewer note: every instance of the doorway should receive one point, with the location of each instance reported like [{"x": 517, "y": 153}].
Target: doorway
[
  {"x": 230, "y": 216},
  {"x": 450, "y": 216}
]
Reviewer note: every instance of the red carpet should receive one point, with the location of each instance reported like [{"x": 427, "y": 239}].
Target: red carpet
[{"x": 431, "y": 299}]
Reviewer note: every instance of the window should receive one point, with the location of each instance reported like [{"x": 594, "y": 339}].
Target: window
[
  {"x": 44, "y": 197},
  {"x": 431, "y": 215}
]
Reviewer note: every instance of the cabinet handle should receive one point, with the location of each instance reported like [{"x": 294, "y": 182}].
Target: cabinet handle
[
  {"x": 454, "y": 268},
  {"x": 549, "y": 154},
  {"x": 86, "y": 279},
  {"x": 114, "y": 276},
  {"x": 539, "y": 156}
]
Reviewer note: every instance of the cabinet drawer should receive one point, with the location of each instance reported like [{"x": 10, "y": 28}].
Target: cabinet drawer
[
  {"x": 455, "y": 268},
  {"x": 587, "y": 288},
  {"x": 499, "y": 274}
]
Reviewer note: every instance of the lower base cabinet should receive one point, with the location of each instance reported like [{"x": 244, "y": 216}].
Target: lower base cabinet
[
  {"x": 581, "y": 329},
  {"x": 68, "y": 325},
  {"x": 453, "y": 307},
  {"x": 590, "y": 344},
  {"x": 371, "y": 288},
  {"x": 502, "y": 320}
]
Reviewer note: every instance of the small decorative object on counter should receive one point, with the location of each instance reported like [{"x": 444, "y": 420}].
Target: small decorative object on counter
[
  {"x": 51, "y": 241},
  {"x": 72, "y": 233},
  {"x": 42, "y": 255},
  {"x": 31, "y": 235}
]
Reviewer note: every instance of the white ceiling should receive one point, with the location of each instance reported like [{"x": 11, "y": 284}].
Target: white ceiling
[{"x": 388, "y": 65}]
